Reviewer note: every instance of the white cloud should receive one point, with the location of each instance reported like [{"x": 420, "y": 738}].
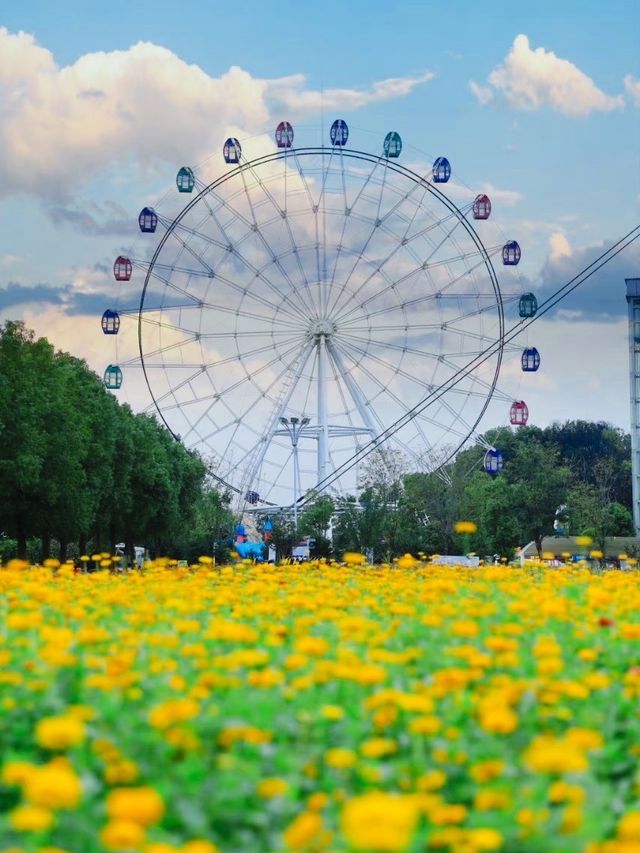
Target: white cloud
[
  {"x": 61, "y": 126},
  {"x": 483, "y": 93},
  {"x": 505, "y": 197},
  {"x": 530, "y": 79},
  {"x": 8, "y": 260},
  {"x": 290, "y": 92},
  {"x": 632, "y": 88},
  {"x": 559, "y": 246}
]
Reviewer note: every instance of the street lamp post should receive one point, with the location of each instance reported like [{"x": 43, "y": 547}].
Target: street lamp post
[{"x": 294, "y": 427}]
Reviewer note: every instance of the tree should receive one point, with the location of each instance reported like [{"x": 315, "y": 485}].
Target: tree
[
  {"x": 540, "y": 484},
  {"x": 315, "y": 522}
]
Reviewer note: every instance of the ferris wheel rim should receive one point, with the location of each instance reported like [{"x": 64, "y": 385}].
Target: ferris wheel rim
[{"x": 248, "y": 165}]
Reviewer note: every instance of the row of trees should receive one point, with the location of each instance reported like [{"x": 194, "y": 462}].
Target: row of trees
[
  {"x": 582, "y": 466},
  {"x": 77, "y": 467}
]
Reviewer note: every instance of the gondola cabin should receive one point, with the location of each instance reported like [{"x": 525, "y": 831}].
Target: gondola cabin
[
  {"x": 392, "y": 145},
  {"x": 530, "y": 360},
  {"x": 511, "y": 254},
  {"x": 185, "y": 180},
  {"x": 441, "y": 170},
  {"x": 122, "y": 268},
  {"x": 112, "y": 377},
  {"x": 232, "y": 151},
  {"x": 493, "y": 462},
  {"x": 528, "y": 305},
  {"x": 518, "y": 413},
  {"x": 148, "y": 220},
  {"x": 110, "y": 322},
  {"x": 284, "y": 135},
  {"x": 481, "y": 207},
  {"x": 339, "y": 133}
]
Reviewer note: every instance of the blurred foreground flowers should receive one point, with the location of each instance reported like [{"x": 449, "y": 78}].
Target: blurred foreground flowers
[{"x": 320, "y": 707}]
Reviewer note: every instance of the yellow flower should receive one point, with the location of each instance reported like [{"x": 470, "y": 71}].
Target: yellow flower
[
  {"x": 31, "y": 818},
  {"x": 498, "y": 718},
  {"x": 484, "y": 838},
  {"x": 380, "y": 822},
  {"x": 60, "y": 732},
  {"x": 307, "y": 827},
  {"x": 54, "y": 786},
  {"x": 122, "y": 835},
  {"x": 332, "y": 712},
  {"x": 378, "y": 747},
  {"x": 629, "y": 827},
  {"x": 583, "y": 540},
  {"x": 17, "y": 772},
  {"x": 340, "y": 758},
  {"x": 547, "y": 754},
  {"x": 143, "y": 806},
  {"x": 199, "y": 846},
  {"x": 465, "y": 527},
  {"x": 352, "y": 558},
  {"x": 272, "y": 787}
]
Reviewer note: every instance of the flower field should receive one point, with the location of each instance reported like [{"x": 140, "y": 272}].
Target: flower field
[{"x": 319, "y": 708}]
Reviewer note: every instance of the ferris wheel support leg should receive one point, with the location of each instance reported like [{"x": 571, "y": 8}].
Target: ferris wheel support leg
[
  {"x": 356, "y": 394},
  {"x": 323, "y": 426},
  {"x": 254, "y": 470}
]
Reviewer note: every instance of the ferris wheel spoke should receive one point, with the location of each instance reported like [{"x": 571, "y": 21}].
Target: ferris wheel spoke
[
  {"x": 296, "y": 291},
  {"x": 292, "y": 372},
  {"x": 384, "y": 389},
  {"x": 397, "y": 245},
  {"x": 234, "y": 386},
  {"x": 348, "y": 212},
  {"x": 223, "y": 309},
  {"x": 416, "y": 419},
  {"x": 367, "y": 412},
  {"x": 410, "y": 303},
  {"x": 239, "y": 288}
]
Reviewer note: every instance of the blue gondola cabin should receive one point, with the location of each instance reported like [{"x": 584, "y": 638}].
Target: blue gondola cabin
[
  {"x": 511, "y": 254},
  {"x": 339, "y": 132},
  {"x": 232, "y": 151},
  {"x": 530, "y": 360},
  {"x": 148, "y": 220},
  {"x": 493, "y": 462},
  {"x": 110, "y": 322},
  {"x": 441, "y": 170}
]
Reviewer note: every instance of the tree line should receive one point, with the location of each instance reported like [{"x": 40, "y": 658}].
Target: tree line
[
  {"x": 80, "y": 472},
  {"x": 577, "y": 474}
]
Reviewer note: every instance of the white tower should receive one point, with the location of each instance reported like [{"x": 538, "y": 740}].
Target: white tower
[{"x": 633, "y": 302}]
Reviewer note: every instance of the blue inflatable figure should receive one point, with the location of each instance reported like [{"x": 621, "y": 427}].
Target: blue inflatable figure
[{"x": 248, "y": 550}]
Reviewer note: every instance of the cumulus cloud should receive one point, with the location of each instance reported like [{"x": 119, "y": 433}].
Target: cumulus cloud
[
  {"x": 531, "y": 79},
  {"x": 558, "y": 246},
  {"x": 61, "y": 126},
  {"x": 602, "y": 297},
  {"x": 107, "y": 219},
  {"x": 632, "y": 88}
]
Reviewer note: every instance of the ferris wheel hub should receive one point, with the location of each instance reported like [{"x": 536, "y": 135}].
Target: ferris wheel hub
[{"x": 321, "y": 326}]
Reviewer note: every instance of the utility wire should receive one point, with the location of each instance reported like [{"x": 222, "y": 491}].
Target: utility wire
[{"x": 478, "y": 360}]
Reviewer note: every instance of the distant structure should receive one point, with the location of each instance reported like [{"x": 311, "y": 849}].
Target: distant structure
[{"x": 633, "y": 302}]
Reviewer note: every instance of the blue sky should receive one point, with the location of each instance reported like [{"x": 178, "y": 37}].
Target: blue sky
[{"x": 539, "y": 101}]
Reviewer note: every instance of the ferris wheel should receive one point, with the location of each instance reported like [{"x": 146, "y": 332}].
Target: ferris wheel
[{"x": 308, "y": 298}]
